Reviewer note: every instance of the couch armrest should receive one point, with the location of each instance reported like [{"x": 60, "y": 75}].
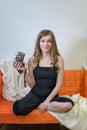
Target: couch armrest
[
  {"x": 0, "y": 84},
  {"x": 85, "y": 83}
]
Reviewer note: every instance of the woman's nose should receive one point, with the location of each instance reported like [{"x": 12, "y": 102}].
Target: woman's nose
[{"x": 45, "y": 43}]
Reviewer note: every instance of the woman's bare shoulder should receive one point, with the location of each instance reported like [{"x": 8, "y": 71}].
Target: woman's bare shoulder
[
  {"x": 60, "y": 61},
  {"x": 31, "y": 61},
  {"x": 60, "y": 58}
]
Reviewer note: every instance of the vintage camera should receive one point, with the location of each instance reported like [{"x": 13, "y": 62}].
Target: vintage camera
[{"x": 19, "y": 57}]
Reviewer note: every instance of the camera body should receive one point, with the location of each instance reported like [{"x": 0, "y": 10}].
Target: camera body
[{"x": 19, "y": 57}]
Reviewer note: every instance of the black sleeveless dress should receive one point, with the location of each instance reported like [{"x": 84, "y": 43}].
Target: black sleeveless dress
[{"x": 45, "y": 80}]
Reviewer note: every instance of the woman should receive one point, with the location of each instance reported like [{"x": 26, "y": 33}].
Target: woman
[{"x": 45, "y": 76}]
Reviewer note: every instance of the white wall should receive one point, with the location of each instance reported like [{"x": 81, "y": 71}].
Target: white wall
[{"x": 21, "y": 20}]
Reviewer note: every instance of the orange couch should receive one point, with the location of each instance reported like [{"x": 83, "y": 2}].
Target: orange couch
[{"x": 75, "y": 81}]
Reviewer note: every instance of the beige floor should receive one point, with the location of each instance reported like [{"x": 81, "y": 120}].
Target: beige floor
[{"x": 33, "y": 127}]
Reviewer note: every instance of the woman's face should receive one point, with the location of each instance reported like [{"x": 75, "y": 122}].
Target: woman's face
[{"x": 46, "y": 43}]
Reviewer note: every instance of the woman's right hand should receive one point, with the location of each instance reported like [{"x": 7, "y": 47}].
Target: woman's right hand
[{"x": 19, "y": 66}]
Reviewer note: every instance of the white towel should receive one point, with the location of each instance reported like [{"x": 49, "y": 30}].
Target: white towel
[
  {"x": 76, "y": 118},
  {"x": 13, "y": 82}
]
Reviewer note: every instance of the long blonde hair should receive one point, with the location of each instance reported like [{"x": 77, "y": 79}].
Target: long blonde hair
[{"x": 54, "y": 51}]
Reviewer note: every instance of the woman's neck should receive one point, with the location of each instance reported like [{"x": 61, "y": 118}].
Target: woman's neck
[
  {"x": 45, "y": 56},
  {"x": 45, "y": 61}
]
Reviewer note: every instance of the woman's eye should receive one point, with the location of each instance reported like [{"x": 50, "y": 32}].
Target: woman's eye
[
  {"x": 42, "y": 40},
  {"x": 49, "y": 41}
]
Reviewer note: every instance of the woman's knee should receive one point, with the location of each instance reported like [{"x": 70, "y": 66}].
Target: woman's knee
[
  {"x": 15, "y": 108},
  {"x": 68, "y": 106}
]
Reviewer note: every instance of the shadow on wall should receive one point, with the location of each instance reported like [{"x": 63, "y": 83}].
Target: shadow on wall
[{"x": 77, "y": 55}]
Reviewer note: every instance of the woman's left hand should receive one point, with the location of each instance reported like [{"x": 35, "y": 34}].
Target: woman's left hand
[{"x": 43, "y": 106}]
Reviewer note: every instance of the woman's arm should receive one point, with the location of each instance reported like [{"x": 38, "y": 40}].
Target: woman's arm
[
  {"x": 28, "y": 74},
  {"x": 29, "y": 77}
]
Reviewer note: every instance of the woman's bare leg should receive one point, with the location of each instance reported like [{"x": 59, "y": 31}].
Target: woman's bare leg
[{"x": 59, "y": 106}]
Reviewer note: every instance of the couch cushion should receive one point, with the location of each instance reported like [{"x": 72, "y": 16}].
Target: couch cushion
[
  {"x": 73, "y": 83},
  {"x": 0, "y": 84},
  {"x": 35, "y": 117}
]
